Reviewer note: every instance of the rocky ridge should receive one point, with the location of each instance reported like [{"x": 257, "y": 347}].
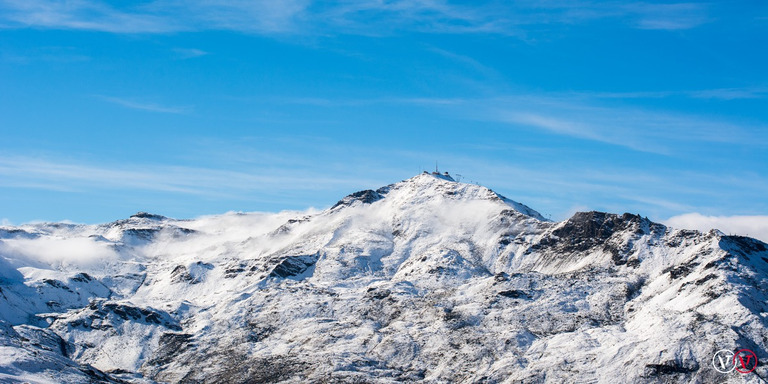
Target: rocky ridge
[{"x": 425, "y": 280}]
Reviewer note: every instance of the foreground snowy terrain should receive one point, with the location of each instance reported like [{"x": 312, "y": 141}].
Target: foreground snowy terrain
[{"x": 425, "y": 280}]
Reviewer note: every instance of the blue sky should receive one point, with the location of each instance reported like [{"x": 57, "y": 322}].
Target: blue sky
[{"x": 186, "y": 108}]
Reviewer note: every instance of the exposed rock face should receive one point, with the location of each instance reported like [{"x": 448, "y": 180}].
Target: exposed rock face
[
  {"x": 423, "y": 280},
  {"x": 366, "y": 197}
]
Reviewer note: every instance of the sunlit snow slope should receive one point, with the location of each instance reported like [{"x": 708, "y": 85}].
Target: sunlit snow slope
[{"x": 425, "y": 280}]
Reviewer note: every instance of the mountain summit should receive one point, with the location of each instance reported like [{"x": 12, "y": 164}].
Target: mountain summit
[{"x": 424, "y": 280}]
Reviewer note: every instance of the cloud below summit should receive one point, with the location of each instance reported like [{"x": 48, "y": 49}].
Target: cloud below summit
[{"x": 752, "y": 226}]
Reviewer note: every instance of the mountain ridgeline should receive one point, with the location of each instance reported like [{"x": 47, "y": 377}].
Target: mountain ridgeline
[{"x": 424, "y": 280}]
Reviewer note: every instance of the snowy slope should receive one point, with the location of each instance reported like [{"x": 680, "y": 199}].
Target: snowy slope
[{"x": 423, "y": 280}]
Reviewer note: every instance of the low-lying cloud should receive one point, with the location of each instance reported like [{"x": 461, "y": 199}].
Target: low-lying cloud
[
  {"x": 752, "y": 226},
  {"x": 57, "y": 251}
]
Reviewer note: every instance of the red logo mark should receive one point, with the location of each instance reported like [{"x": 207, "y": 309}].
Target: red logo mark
[{"x": 745, "y": 361}]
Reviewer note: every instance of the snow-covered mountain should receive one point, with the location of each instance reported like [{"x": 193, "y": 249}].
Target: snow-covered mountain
[{"x": 425, "y": 280}]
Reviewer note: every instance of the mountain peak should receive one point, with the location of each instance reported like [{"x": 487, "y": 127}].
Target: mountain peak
[
  {"x": 437, "y": 175},
  {"x": 426, "y": 189},
  {"x": 147, "y": 215}
]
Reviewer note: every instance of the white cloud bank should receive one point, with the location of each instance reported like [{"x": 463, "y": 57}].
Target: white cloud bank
[
  {"x": 58, "y": 251},
  {"x": 752, "y": 226}
]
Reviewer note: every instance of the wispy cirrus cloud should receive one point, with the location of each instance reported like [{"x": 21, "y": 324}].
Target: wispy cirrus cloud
[
  {"x": 189, "y": 53},
  {"x": 715, "y": 93},
  {"x": 470, "y": 69},
  {"x": 579, "y": 115},
  {"x": 675, "y": 16},
  {"x": 731, "y": 93},
  {"x": 156, "y": 16},
  {"x": 646, "y": 130},
  {"x": 519, "y": 18},
  {"x": 83, "y": 15},
  {"x": 379, "y": 17},
  {"x": 643, "y": 129},
  {"x": 367, "y": 17},
  {"x": 145, "y": 106},
  {"x": 635, "y": 128},
  {"x": 72, "y": 176}
]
